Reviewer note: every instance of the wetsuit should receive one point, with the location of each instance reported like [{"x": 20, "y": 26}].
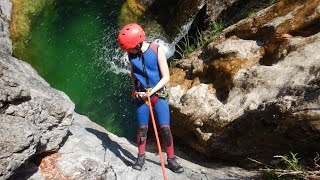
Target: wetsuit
[{"x": 147, "y": 74}]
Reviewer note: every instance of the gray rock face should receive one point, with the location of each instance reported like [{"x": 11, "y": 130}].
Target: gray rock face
[
  {"x": 34, "y": 118},
  {"x": 5, "y": 17},
  {"x": 180, "y": 16},
  {"x": 256, "y": 93},
  {"x": 91, "y": 152},
  {"x": 215, "y": 7}
]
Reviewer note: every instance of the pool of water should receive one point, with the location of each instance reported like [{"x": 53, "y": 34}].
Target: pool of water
[{"x": 73, "y": 46}]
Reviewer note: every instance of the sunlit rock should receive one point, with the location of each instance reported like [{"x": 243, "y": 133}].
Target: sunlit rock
[
  {"x": 34, "y": 117},
  {"x": 265, "y": 74}
]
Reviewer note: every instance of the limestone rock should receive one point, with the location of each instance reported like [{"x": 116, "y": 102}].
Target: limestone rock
[
  {"x": 34, "y": 117},
  {"x": 5, "y": 17},
  {"x": 91, "y": 152},
  {"x": 258, "y": 84}
]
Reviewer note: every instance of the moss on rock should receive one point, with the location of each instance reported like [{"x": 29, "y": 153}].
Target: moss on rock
[
  {"x": 131, "y": 11},
  {"x": 23, "y": 13}
]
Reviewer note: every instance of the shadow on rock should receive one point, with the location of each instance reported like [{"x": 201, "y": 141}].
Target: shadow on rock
[{"x": 113, "y": 146}]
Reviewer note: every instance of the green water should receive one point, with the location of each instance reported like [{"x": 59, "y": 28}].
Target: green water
[{"x": 73, "y": 46}]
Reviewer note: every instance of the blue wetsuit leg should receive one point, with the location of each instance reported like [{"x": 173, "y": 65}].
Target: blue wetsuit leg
[
  {"x": 142, "y": 113},
  {"x": 161, "y": 108}
]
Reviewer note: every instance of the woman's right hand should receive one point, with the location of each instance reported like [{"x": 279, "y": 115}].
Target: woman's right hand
[
  {"x": 139, "y": 95},
  {"x": 142, "y": 95}
]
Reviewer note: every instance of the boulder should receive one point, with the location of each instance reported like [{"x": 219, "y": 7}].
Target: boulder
[
  {"x": 34, "y": 117},
  {"x": 91, "y": 152},
  {"x": 253, "y": 91},
  {"x": 5, "y": 17}
]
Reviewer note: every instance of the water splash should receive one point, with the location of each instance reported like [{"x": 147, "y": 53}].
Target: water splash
[
  {"x": 186, "y": 27},
  {"x": 110, "y": 57},
  {"x": 184, "y": 30},
  {"x": 119, "y": 62}
]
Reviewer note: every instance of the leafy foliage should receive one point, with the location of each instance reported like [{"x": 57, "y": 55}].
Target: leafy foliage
[
  {"x": 293, "y": 169},
  {"x": 292, "y": 163}
]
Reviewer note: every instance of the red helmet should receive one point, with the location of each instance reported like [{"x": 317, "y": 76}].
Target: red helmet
[{"x": 130, "y": 36}]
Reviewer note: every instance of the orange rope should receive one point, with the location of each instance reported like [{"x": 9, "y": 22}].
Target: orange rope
[{"x": 157, "y": 138}]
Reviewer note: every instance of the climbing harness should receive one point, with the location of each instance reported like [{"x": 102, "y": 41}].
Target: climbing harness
[{"x": 163, "y": 94}]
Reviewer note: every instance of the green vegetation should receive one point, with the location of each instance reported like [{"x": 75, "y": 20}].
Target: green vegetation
[
  {"x": 186, "y": 47},
  {"x": 292, "y": 163},
  {"x": 292, "y": 169},
  {"x": 203, "y": 38},
  {"x": 188, "y": 44},
  {"x": 23, "y": 13}
]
